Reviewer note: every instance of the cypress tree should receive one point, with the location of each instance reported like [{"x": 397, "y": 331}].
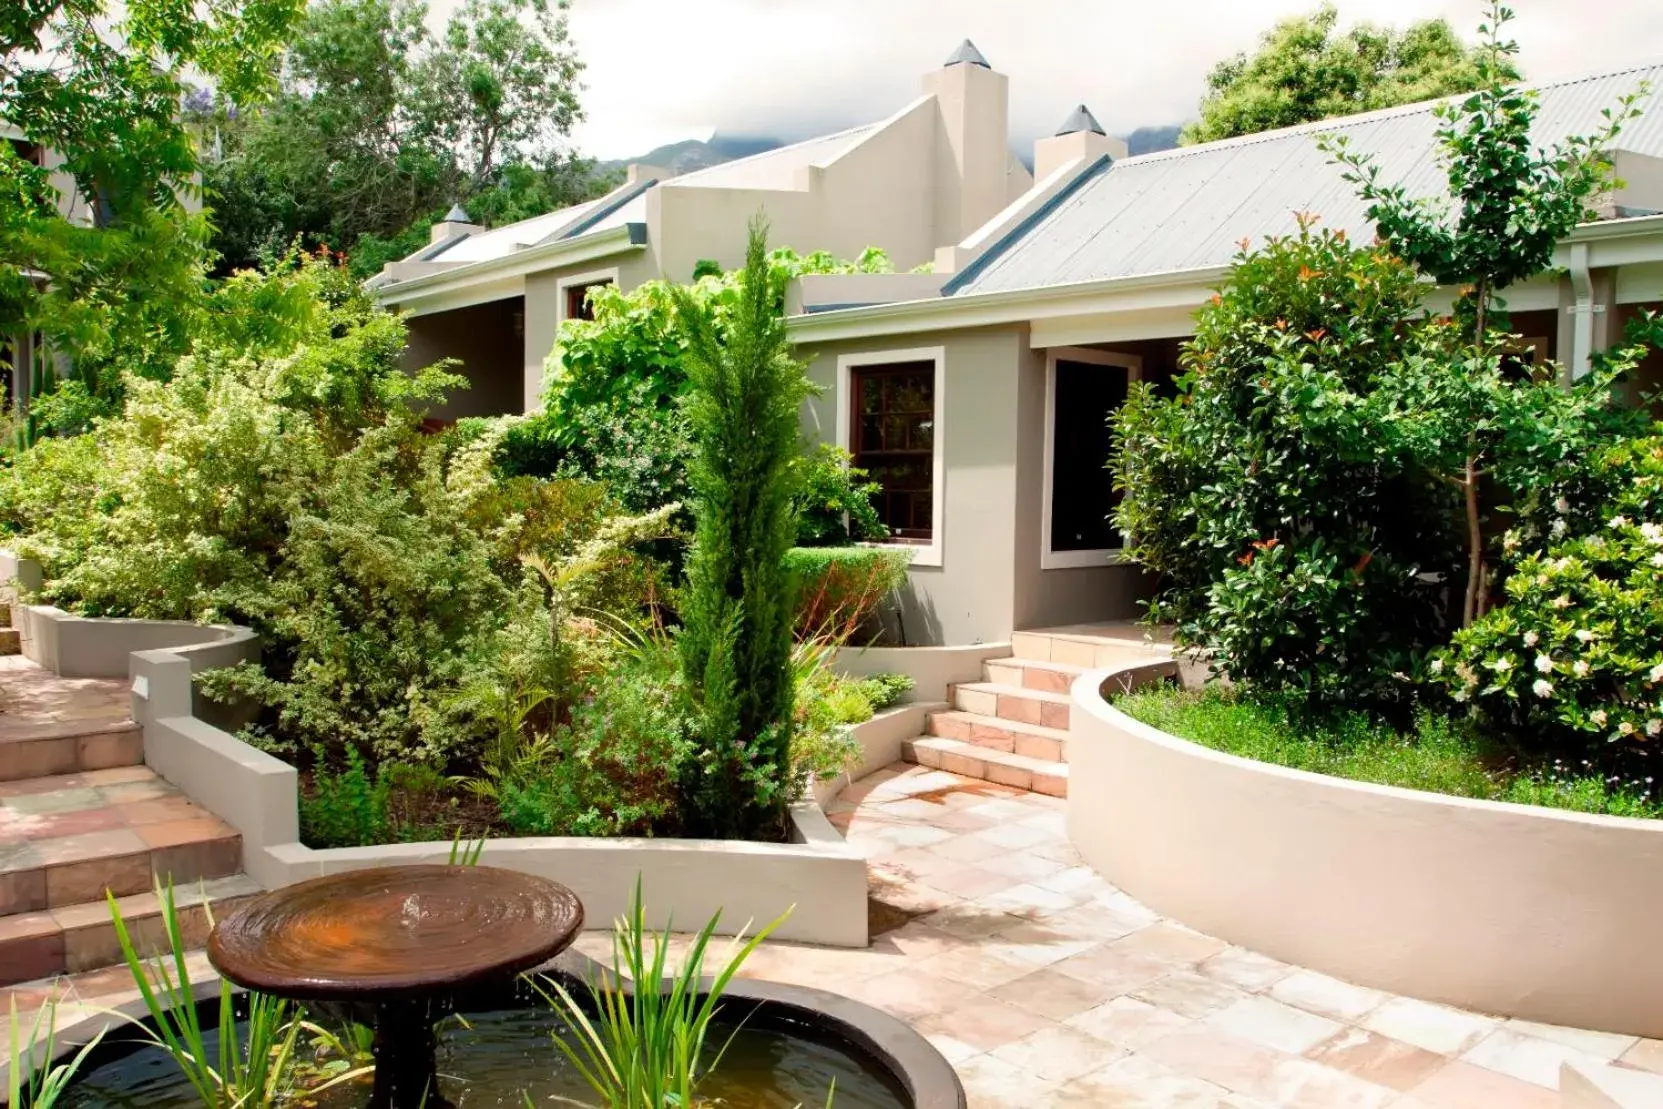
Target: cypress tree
[{"x": 742, "y": 405}]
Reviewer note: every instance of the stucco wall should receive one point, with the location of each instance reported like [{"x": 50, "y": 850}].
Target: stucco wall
[
  {"x": 1536, "y": 913},
  {"x": 545, "y": 310},
  {"x": 485, "y": 339},
  {"x": 970, "y": 597}
]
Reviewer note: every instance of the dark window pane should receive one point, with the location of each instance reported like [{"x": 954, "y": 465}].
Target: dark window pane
[
  {"x": 1082, "y": 492},
  {"x": 893, "y": 440}
]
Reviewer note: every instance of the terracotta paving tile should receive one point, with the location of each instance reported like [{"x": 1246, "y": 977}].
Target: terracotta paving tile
[
  {"x": 159, "y": 811},
  {"x": 1122, "y": 971},
  {"x": 1459, "y": 1085},
  {"x": 57, "y": 801},
  {"x": 1436, "y": 1028},
  {"x": 1135, "y": 1082},
  {"x": 917, "y": 940},
  {"x": 1170, "y": 943},
  {"x": 1644, "y": 1055},
  {"x": 1058, "y": 1053},
  {"x": 1028, "y": 901},
  {"x": 1131, "y": 1023},
  {"x": 62, "y": 824},
  {"x": 977, "y": 965},
  {"x": 71, "y": 883},
  {"x": 89, "y": 846},
  {"x": 1527, "y": 1058},
  {"x": 1190, "y": 995},
  {"x": 967, "y": 920},
  {"x": 1052, "y": 995},
  {"x": 117, "y": 775},
  {"x": 1001, "y": 1085},
  {"x": 1378, "y": 1059},
  {"x": 20, "y": 926},
  {"x": 1266, "y": 1021},
  {"x": 28, "y": 786},
  {"x": 1302, "y": 1084},
  {"x": 985, "y": 1023},
  {"x": 969, "y": 882},
  {"x": 1601, "y": 1045},
  {"x": 22, "y": 891},
  {"x": 173, "y": 833},
  {"x": 1329, "y": 997},
  {"x": 1024, "y": 866},
  {"x": 120, "y": 793},
  {"x": 911, "y": 994},
  {"x": 1208, "y": 1054}
]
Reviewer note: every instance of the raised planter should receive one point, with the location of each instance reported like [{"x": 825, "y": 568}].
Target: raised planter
[
  {"x": 932, "y": 669},
  {"x": 1536, "y": 913}
]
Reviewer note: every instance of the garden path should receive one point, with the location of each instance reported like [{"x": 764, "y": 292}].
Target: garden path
[{"x": 1046, "y": 986}]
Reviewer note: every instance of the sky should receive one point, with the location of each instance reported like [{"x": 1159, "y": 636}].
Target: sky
[{"x": 664, "y": 70}]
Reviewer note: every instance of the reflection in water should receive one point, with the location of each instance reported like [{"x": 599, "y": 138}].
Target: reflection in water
[{"x": 500, "y": 1056}]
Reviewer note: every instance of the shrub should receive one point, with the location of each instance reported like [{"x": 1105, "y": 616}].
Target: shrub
[
  {"x": 1573, "y": 662},
  {"x": 346, "y": 807},
  {"x": 838, "y": 589},
  {"x": 736, "y": 636},
  {"x": 834, "y": 500},
  {"x": 1290, "y": 537}
]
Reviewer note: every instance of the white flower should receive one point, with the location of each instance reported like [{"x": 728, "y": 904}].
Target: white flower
[
  {"x": 1598, "y": 717},
  {"x": 1561, "y": 505},
  {"x": 1459, "y": 695},
  {"x": 1510, "y": 541},
  {"x": 1437, "y": 666},
  {"x": 1559, "y": 527},
  {"x": 1501, "y": 665},
  {"x": 1656, "y": 674},
  {"x": 1654, "y": 726},
  {"x": 1583, "y": 635},
  {"x": 1530, "y": 639},
  {"x": 1619, "y": 522},
  {"x": 1562, "y": 601},
  {"x": 1652, "y": 532},
  {"x": 1541, "y": 687},
  {"x": 1579, "y": 668},
  {"x": 1625, "y": 728},
  {"x": 1657, "y": 559},
  {"x": 1544, "y": 664}
]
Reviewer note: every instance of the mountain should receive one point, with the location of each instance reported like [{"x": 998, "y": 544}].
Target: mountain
[{"x": 691, "y": 154}]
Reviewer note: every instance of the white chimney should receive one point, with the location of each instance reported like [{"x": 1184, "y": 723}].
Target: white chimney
[
  {"x": 1080, "y": 136},
  {"x": 640, "y": 171},
  {"x": 973, "y": 145},
  {"x": 455, "y": 225}
]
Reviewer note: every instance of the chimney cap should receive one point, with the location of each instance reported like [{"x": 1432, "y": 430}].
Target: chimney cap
[
  {"x": 457, "y": 214},
  {"x": 967, "y": 54},
  {"x": 1081, "y": 119}
]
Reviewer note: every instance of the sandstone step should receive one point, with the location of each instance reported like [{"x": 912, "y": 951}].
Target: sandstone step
[
  {"x": 1001, "y": 767},
  {"x": 1013, "y": 702},
  {"x": 1013, "y": 736},
  {"x": 39, "y": 750},
  {"x": 81, "y": 937},
  {"x": 1086, "y": 650},
  {"x": 1032, "y": 673},
  {"x": 65, "y": 840}
]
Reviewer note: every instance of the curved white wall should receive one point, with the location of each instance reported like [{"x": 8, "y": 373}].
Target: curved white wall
[{"x": 1536, "y": 913}]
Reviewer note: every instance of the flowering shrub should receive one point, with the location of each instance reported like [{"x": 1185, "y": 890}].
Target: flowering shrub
[{"x": 1576, "y": 654}]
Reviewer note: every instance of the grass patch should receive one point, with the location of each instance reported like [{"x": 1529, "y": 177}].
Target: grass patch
[{"x": 1439, "y": 755}]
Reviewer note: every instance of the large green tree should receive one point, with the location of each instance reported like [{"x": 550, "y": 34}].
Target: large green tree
[
  {"x": 1306, "y": 69},
  {"x": 380, "y": 126},
  {"x": 99, "y": 250}
]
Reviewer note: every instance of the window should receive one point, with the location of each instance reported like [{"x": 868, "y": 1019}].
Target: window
[
  {"x": 892, "y": 437},
  {"x": 1083, "y": 389},
  {"x": 577, "y": 300}
]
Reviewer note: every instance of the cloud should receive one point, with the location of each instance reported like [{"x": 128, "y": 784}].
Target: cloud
[{"x": 663, "y": 70}]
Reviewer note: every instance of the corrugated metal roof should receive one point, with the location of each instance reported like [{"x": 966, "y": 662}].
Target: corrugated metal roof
[
  {"x": 1190, "y": 208},
  {"x": 499, "y": 242},
  {"x": 774, "y": 169}
]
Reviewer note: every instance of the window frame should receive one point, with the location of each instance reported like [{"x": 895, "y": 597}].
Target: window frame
[
  {"x": 563, "y": 289},
  {"x": 933, "y": 552},
  {"x": 1050, "y": 559}
]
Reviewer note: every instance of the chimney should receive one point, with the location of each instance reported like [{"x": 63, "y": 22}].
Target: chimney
[
  {"x": 1080, "y": 136},
  {"x": 455, "y": 225},
  {"x": 972, "y": 162},
  {"x": 641, "y": 171}
]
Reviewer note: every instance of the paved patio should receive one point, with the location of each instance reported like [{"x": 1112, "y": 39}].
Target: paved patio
[{"x": 1046, "y": 986}]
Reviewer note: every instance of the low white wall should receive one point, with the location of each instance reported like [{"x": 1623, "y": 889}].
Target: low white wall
[
  {"x": 1536, "y": 913},
  {"x": 880, "y": 740},
  {"x": 932, "y": 669},
  {"x": 99, "y": 647}
]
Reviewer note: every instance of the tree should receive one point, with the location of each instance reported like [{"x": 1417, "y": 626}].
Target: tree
[
  {"x": 380, "y": 126},
  {"x": 114, "y": 267},
  {"x": 745, "y": 392},
  {"x": 1508, "y": 205},
  {"x": 1304, "y": 70}
]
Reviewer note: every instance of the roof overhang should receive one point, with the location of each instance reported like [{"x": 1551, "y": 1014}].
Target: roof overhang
[
  {"x": 498, "y": 278},
  {"x": 1635, "y": 240}
]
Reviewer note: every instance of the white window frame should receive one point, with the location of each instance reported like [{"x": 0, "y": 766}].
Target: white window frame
[
  {"x": 593, "y": 277},
  {"x": 923, "y": 554},
  {"x": 1073, "y": 560}
]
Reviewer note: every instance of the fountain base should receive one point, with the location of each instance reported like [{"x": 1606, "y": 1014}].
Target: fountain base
[{"x": 406, "y": 1057}]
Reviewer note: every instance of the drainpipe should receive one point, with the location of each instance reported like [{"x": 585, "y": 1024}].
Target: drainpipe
[{"x": 1582, "y": 315}]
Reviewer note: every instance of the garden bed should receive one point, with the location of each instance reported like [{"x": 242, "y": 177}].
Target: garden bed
[{"x": 1532, "y": 912}]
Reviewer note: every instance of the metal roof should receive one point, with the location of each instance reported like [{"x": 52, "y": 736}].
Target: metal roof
[
  {"x": 966, "y": 54},
  {"x": 1190, "y": 208},
  {"x": 589, "y": 217},
  {"x": 1081, "y": 119}
]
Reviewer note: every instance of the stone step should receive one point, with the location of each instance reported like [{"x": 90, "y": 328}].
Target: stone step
[
  {"x": 1001, "y": 767},
  {"x": 1032, "y": 673},
  {"x": 67, "y": 747},
  {"x": 65, "y": 840},
  {"x": 1012, "y": 736},
  {"x": 1085, "y": 650},
  {"x": 82, "y": 937},
  {"x": 1013, "y": 702}
]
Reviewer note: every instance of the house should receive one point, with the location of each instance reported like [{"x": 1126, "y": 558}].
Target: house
[
  {"x": 922, "y": 179},
  {"x": 980, "y": 406}
]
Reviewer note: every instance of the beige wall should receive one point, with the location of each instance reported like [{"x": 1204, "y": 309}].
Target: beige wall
[
  {"x": 485, "y": 339},
  {"x": 1536, "y": 913},
  {"x": 545, "y": 311}
]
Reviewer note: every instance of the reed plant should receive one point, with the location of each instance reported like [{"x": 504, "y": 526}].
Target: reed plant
[
  {"x": 39, "y": 1085},
  {"x": 648, "y": 1044}
]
